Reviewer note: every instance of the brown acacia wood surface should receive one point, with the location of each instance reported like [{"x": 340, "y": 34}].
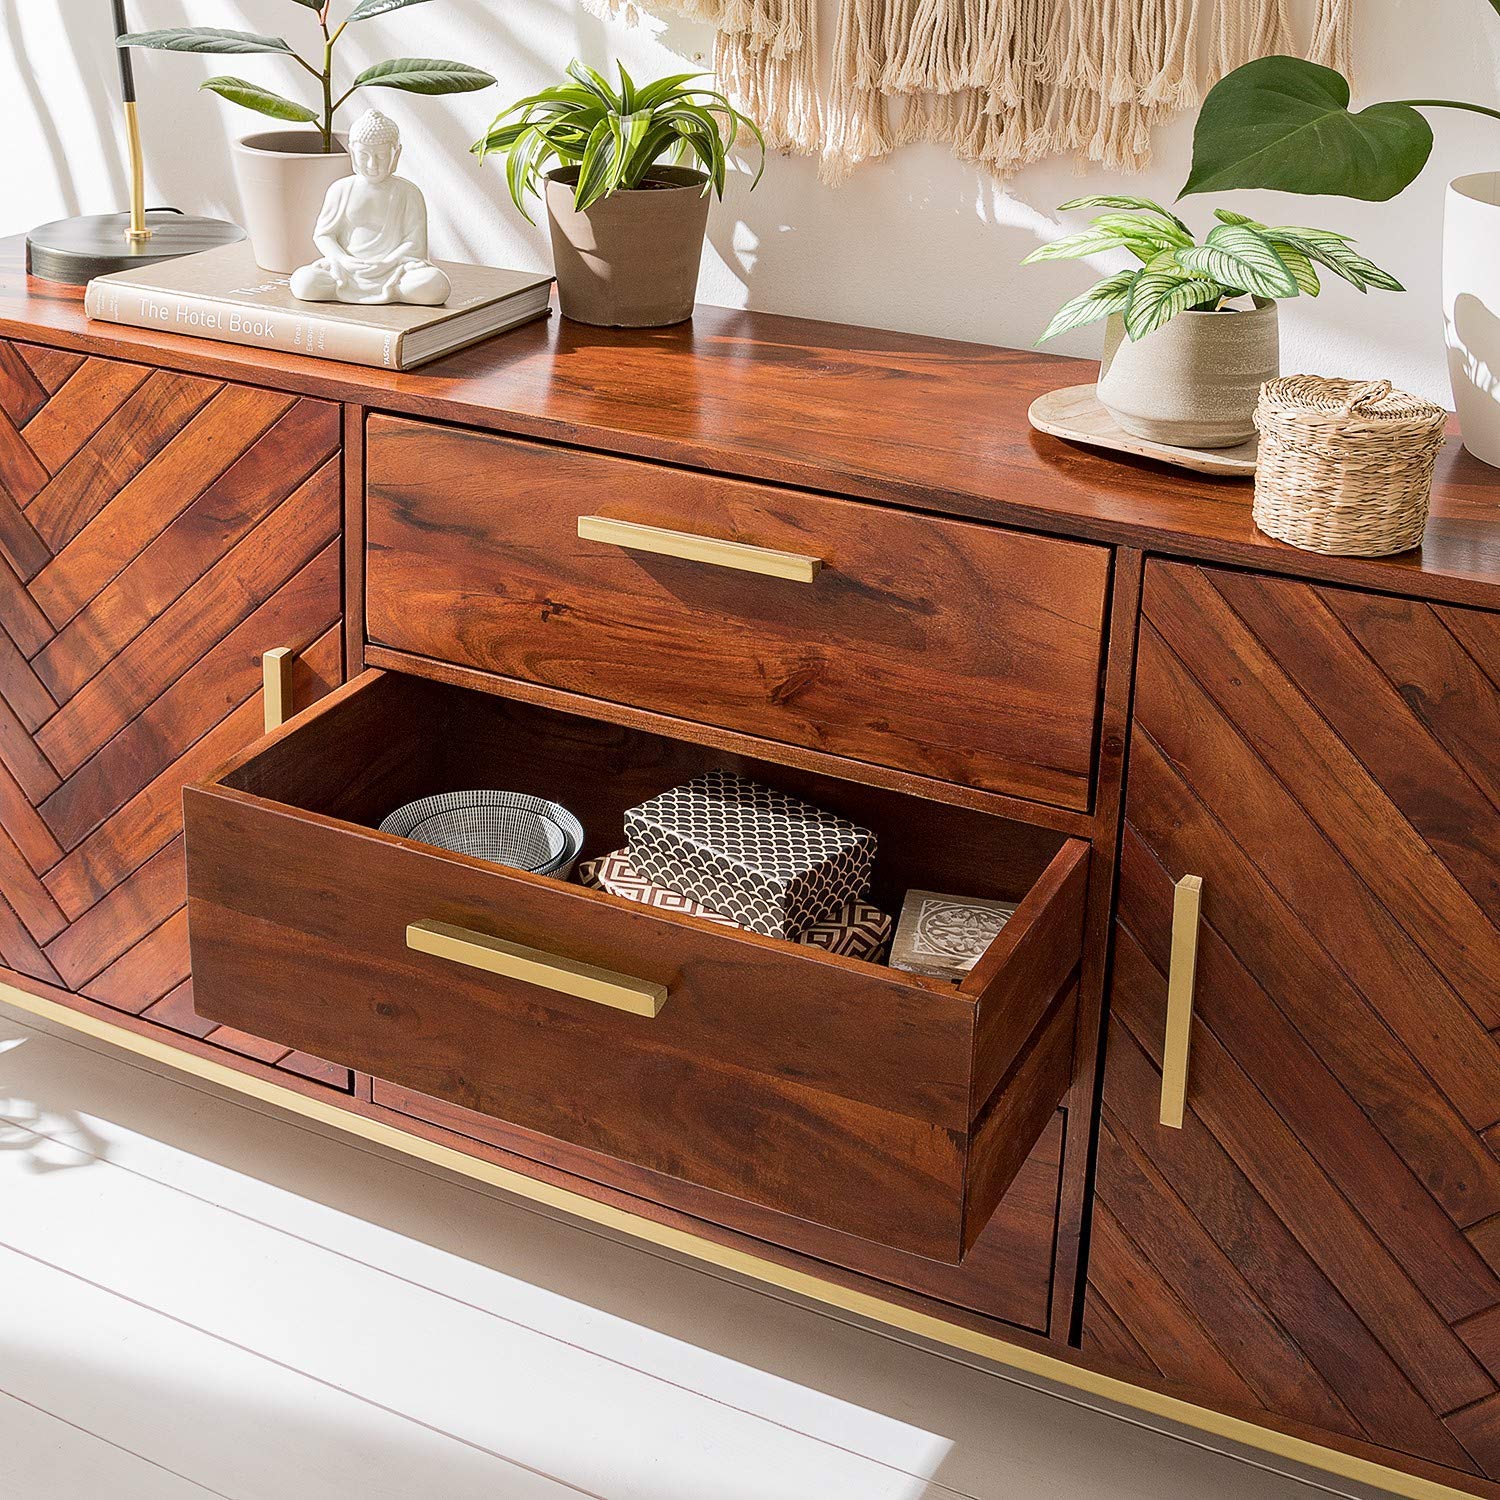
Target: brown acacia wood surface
[
  {"x": 961, "y": 652},
  {"x": 1006, "y": 1274},
  {"x": 928, "y": 423},
  {"x": 1319, "y": 1239},
  {"x": 853, "y": 1111},
  {"x": 158, "y": 532},
  {"x": 738, "y": 747},
  {"x": 1114, "y": 722}
]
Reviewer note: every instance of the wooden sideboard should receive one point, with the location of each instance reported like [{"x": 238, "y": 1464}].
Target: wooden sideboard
[{"x": 1042, "y": 675}]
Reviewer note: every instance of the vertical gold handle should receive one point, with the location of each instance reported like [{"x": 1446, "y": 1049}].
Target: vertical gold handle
[
  {"x": 1187, "y": 907},
  {"x": 276, "y": 686}
]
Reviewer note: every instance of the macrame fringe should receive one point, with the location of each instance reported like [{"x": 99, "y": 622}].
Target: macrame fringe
[
  {"x": 1002, "y": 83},
  {"x": 1248, "y": 29},
  {"x": 1333, "y": 35}
]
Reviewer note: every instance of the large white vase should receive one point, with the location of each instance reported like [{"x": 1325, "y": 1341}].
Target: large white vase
[
  {"x": 1471, "y": 308},
  {"x": 284, "y": 176}
]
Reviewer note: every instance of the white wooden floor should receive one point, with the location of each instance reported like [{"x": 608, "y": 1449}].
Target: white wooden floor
[{"x": 200, "y": 1296}]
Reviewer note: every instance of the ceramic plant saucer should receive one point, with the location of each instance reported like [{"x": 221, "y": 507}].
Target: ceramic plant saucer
[{"x": 1075, "y": 414}]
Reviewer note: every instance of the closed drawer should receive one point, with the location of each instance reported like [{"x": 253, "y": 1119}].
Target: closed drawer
[
  {"x": 953, "y": 650},
  {"x": 890, "y": 1107},
  {"x": 1007, "y": 1273}
]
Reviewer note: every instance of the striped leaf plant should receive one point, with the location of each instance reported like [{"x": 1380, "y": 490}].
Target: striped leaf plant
[
  {"x": 616, "y": 134},
  {"x": 1239, "y": 258}
]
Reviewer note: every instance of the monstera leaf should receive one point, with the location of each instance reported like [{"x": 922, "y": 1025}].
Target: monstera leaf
[{"x": 1283, "y": 123}]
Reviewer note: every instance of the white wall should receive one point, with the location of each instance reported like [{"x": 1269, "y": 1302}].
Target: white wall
[{"x": 918, "y": 242}]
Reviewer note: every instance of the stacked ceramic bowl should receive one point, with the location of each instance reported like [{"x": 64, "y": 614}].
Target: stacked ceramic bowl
[{"x": 506, "y": 828}]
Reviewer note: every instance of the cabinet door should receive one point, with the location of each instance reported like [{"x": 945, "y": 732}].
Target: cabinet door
[
  {"x": 158, "y": 533},
  {"x": 1321, "y": 1237}
]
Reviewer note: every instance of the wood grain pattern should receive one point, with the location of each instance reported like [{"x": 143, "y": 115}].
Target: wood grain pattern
[
  {"x": 852, "y": 1111},
  {"x": 931, "y": 424},
  {"x": 959, "y": 652},
  {"x": 184, "y": 526},
  {"x": 1314, "y": 1241},
  {"x": 1006, "y": 1274}
]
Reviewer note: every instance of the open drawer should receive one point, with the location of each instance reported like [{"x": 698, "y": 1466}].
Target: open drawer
[{"x": 878, "y": 1103}]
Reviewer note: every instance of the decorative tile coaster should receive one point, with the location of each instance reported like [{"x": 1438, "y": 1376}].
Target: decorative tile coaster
[
  {"x": 859, "y": 931},
  {"x": 767, "y": 860},
  {"x": 943, "y": 937}
]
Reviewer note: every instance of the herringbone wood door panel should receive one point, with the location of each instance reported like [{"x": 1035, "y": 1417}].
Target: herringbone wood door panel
[
  {"x": 1322, "y": 1238},
  {"x": 158, "y": 533}
]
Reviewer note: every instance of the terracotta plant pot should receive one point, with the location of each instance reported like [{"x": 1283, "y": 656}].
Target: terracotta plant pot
[
  {"x": 284, "y": 176},
  {"x": 1194, "y": 382},
  {"x": 630, "y": 261}
]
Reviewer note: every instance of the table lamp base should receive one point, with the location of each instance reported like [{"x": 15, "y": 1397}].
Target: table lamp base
[{"x": 76, "y": 250}]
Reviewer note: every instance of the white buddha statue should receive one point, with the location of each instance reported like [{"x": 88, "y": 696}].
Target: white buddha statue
[{"x": 373, "y": 230}]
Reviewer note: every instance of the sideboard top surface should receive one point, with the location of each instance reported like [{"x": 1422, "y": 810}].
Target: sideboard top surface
[{"x": 928, "y": 423}]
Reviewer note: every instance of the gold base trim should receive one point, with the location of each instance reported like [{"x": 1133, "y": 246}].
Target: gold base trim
[{"x": 924, "y": 1325}]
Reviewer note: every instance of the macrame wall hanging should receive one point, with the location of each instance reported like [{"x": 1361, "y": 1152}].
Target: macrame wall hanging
[{"x": 1003, "y": 82}]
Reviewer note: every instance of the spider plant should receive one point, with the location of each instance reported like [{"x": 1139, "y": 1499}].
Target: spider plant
[
  {"x": 616, "y": 136},
  {"x": 1238, "y": 257},
  {"x": 414, "y": 75}
]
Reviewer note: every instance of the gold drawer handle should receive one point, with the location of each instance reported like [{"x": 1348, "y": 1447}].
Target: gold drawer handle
[
  {"x": 276, "y": 686},
  {"x": 1187, "y": 906},
  {"x": 477, "y": 950},
  {"x": 703, "y": 549}
]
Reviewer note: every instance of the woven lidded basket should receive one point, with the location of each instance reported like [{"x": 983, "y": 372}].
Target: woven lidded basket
[{"x": 1345, "y": 467}]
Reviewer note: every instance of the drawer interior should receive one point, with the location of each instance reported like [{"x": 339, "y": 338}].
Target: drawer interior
[
  {"x": 775, "y": 1076},
  {"x": 397, "y": 738}
]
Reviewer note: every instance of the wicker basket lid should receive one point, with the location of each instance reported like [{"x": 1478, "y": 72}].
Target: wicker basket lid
[{"x": 1373, "y": 406}]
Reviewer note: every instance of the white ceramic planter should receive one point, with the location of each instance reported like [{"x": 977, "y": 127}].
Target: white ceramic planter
[
  {"x": 1471, "y": 308},
  {"x": 1194, "y": 382},
  {"x": 284, "y": 176}
]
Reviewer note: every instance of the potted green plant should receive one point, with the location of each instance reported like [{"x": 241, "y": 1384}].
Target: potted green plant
[
  {"x": 1192, "y": 331},
  {"x": 627, "y": 216},
  {"x": 284, "y": 174},
  {"x": 1283, "y": 123}
]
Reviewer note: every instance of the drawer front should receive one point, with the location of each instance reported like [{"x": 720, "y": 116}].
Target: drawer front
[
  {"x": 1006, "y": 1273},
  {"x": 892, "y": 1109},
  {"x": 953, "y": 650}
]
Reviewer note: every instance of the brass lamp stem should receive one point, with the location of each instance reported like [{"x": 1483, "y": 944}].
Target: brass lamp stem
[{"x": 138, "y": 232}]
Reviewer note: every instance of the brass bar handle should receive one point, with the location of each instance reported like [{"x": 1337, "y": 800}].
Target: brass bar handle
[
  {"x": 1187, "y": 906},
  {"x": 276, "y": 686},
  {"x": 703, "y": 549},
  {"x": 550, "y": 971}
]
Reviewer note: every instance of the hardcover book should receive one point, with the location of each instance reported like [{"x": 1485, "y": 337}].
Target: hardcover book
[{"x": 222, "y": 294}]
